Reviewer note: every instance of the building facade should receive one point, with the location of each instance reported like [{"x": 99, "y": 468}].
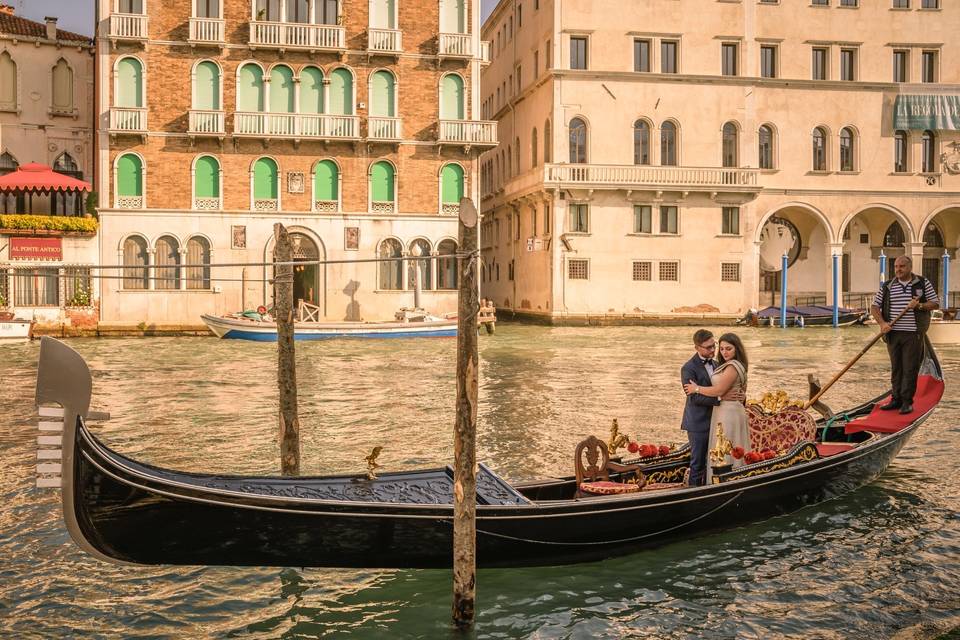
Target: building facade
[
  {"x": 353, "y": 122},
  {"x": 661, "y": 157},
  {"x": 46, "y": 116}
]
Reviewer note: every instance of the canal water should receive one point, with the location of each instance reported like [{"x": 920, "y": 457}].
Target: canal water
[{"x": 881, "y": 562}]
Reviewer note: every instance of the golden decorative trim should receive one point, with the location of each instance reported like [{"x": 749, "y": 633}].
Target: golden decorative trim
[
  {"x": 807, "y": 453},
  {"x": 722, "y": 448}
]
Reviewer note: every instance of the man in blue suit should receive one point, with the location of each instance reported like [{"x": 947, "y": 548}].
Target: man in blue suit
[{"x": 699, "y": 408}]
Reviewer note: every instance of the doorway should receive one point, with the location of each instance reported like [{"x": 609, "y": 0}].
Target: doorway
[{"x": 306, "y": 277}]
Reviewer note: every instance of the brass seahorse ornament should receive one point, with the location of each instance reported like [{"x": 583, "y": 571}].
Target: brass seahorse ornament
[
  {"x": 372, "y": 463},
  {"x": 617, "y": 439}
]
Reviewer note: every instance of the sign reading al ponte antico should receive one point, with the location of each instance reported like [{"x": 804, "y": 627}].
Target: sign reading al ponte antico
[{"x": 36, "y": 248}]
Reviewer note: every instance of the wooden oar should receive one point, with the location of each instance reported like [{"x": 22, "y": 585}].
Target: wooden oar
[{"x": 851, "y": 363}]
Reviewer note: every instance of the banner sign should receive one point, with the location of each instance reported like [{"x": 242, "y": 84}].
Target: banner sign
[
  {"x": 934, "y": 112},
  {"x": 36, "y": 248}
]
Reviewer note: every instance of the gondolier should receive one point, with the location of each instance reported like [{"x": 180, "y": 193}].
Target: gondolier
[{"x": 904, "y": 337}]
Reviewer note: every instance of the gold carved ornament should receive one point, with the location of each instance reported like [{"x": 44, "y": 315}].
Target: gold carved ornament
[
  {"x": 617, "y": 439},
  {"x": 775, "y": 402},
  {"x": 722, "y": 448}
]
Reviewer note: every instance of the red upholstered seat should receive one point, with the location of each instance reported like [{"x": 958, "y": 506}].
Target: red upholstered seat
[
  {"x": 607, "y": 488},
  {"x": 826, "y": 449},
  {"x": 929, "y": 392}
]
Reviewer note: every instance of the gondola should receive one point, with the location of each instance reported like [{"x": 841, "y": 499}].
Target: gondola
[
  {"x": 806, "y": 316},
  {"x": 121, "y": 510}
]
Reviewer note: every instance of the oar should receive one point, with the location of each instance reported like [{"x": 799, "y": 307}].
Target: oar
[{"x": 851, "y": 363}]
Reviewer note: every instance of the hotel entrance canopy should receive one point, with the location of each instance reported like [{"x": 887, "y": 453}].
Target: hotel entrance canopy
[{"x": 933, "y": 112}]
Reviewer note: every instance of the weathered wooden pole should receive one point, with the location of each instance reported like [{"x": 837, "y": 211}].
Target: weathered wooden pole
[
  {"x": 465, "y": 432},
  {"x": 286, "y": 362}
]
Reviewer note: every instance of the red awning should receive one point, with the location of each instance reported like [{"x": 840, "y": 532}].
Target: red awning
[{"x": 36, "y": 177}]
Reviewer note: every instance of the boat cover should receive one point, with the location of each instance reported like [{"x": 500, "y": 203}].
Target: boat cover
[
  {"x": 807, "y": 311},
  {"x": 929, "y": 392}
]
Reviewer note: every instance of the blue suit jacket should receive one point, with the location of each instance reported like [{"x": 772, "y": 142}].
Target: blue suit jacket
[{"x": 697, "y": 411}]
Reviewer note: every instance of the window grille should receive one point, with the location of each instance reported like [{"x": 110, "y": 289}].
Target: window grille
[
  {"x": 578, "y": 269},
  {"x": 642, "y": 271},
  {"x": 670, "y": 271},
  {"x": 730, "y": 272}
]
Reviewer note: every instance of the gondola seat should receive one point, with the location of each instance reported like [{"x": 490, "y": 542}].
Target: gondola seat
[
  {"x": 827, "y": 449},
  {"x": 592, "y": 465},
  {"x": 781, "y": 430},
  {"x": 928, "y": 394}
]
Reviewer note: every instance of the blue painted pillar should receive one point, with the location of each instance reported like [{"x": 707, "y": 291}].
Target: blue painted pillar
[
  {"x": 883, "y": 267},
  {"x": 836, "y": 290},
  {"x": 783, "y": 291},
  {"x": 945, "y": 298}
]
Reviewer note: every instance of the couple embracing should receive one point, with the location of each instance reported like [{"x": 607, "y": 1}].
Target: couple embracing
[{"x": 715, "y": 381}]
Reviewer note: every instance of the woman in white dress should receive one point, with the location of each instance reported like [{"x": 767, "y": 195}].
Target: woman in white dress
[{"x": 729, "y": 374}]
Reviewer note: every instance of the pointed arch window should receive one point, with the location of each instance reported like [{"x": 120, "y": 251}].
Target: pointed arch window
[
  {"x": 129, "y": 182},
  {"x": 894, "y": 237},
  {"x": 206, "y": 184},
  {"x": 198, "y": 253},
  {"x": 167, "y": 272},
  {"x": 422, "y": 248},
  {"x": 326, "y": 186},
  {"x": 391, "y": 273},
  {"x": 847, "y": 141},
  {"x": 932, "y": 237},
  {"x": 266, "y": 185},
  {"x": 66, "y": 203},
  {"x": 451, "y": 97},
  {"x": 765, "y": 147},
  {"x": 533, "y": 148},
  {"x": 928, "y": 152},
  {"x": 819, "y": 149},
  {"x": 731, "y": 143},
  {"x": 135, "y": 272},
  {"x": 11, "y": 203},
  {"x": 446, "y": 265},
  {"x": 547, "y": 143},
  {"x": 8, "y": 83},
  {"x": 62, "y": 103},
  {"x": 668, "y": 144},
  {"x": 641, "y": 142},
  {"x": 578, "y": 141}
]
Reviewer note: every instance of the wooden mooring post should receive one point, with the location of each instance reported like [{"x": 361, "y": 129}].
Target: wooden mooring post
[
  {"x": 465, "y": 431},
  {"x": 286, "y": 355}
]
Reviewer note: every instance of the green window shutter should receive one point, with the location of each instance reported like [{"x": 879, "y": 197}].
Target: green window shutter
[
  {"x": 129, "y": 83},
  {"x": 382, "y": 88},
  {"x": 341, "y": 92},
  {"x": 129, "y": 175},
  {"x": 381, "y": 182},
  {"x": 325, "y": 181},
  {"x": 250, "y": 89},
  {"x": 451, "y": 181},
  {"x": 207, "y": 177},
  {"x": 311, "y": 90},
  {"x": 451, "y": 97},
  {"x": 265, "y": 179},
  {"x": 207, "y": 90},
  {"x": 281, "y": 90}
]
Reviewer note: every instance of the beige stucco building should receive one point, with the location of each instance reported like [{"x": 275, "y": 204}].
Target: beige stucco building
[{"x": 660, "y": 156}]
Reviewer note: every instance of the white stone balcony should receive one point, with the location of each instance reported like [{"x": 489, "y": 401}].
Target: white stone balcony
[
  {"x": 384, "y": 40},
  {"x": 484, "y": 52},
  {"x": 455, "y": 45},
  {"x": 468, "y": 132},
  {"x": 627, "y": 176},
  {"x": 296, "y": 125},
  {"x": 295, "y": 35},
  {"x": 384, "y": 128},
  {"x": 128, "y": 120},
  {"x": 128, "y": 26},
  {"x": 206, "y": 31},
  {"x": 206, "y": 123}
]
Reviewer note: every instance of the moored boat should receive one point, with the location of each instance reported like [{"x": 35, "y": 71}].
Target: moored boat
[
  {"x": 260, "y": 327},
  {"x": 122, "y": 510},
  {"x": 11, "y": 327},
  {"x": 804, "y": 316}
]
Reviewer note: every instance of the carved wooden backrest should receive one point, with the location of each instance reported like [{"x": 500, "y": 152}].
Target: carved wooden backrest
[
  {"x": 781, "y": 430},
  {"x": 590, "y": 460}
]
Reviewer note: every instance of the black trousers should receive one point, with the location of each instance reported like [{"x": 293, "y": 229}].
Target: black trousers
[{"x": 906, "y": 353}]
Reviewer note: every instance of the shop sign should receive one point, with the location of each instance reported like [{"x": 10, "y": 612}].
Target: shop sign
[
  {"x": 934, "y": 112},
  {"x": 36, "y": 248}
]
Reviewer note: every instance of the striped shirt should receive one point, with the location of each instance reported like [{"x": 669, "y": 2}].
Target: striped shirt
[{"x": 900, "y": 296}]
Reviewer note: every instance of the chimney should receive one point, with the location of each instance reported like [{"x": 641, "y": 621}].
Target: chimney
[
  {"x": 51, "y": 28},
  {"x": 6, "y": 9}
]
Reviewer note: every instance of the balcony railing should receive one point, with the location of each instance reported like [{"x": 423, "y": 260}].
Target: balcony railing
[
  {"x": 207, "y": 204},
  {"x": 470, "y": 132},
  {"x": 295, "y": 125},
  {"x": 128, "y": 26},
  {"x": 631, "y": 175},
  {"x": 484, "y": 52},
  {"x": 384, "y": 128},
  {"x": 456, "y": 45},
  {"x": 281, "y": 35},
  {"x": 129, "y": 119},
  {"x": 384, "y": 40},
  {"x": 206, "y": 123},
  {"x": 206, "y": 30}
]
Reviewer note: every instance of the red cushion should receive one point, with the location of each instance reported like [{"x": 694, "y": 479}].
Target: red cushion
[
  {"x": 832, "y": 449},
  {"x": 606, "y": 488},
  {"x": 929, "y": 392}
]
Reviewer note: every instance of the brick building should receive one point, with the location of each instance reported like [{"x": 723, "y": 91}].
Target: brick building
[{"x": 353, "y": 122}]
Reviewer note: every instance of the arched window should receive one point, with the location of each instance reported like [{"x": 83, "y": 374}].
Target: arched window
[
  {"x": 198, "y": 253},
  {"x": 66, "y": 203},
  {"x": 311, "y": 90},
  {"x": 383, "y": 14},
  {"x": 11, "y": 202},
  {"x": 167, "y": 263},
  {"x": 326, "y": 186},
  {"x": 62, "y": 87},
  {"x": 383, "y": 95},
  {"x": 206, "y": 184},
  {"x": 547, "y": 143},
  {"x": 929, "y": 151},
  {"x": 932, "y": 237},
  {"x": 894, "y": 237},
  {"x": 250, "y": 88},
  {"x": 578, "y": 141},
  {"x": 819, "y": 149},
  {"x": 731, "y": 144},
  {"x": 135, "y": 272},
  {"x": 281, "y": 90},
  {"x": 533, "y": 147},
  {"x": 641, "y": 142},
  {"x": 516, "y": 151},
  {"x": 206, "y": 87},
  {"x": 129, "y": 182},
  {"x": 451, "y": 187},
  {"x": 8, "y": 83},
  {"x": 341, "y": 92},
  {"x": 446, "y": 265},
  {"x": 453, "y": 16},
  {"x": 901, "y": 163},
  {"x": 509, "y": 162},
  {"x": 382, "y": 186},
  {"x": 668, "y": 144},
  {"x": 391, "y": 273},
  {"x": 846, "y": 149},
  {"x": 129, "y": 83},
  {"x": 765, "y": 147},
  {"x": 451, "y": 97},
  {"x": 266, "y": 185},
  {"x": 419, "y": 247}
]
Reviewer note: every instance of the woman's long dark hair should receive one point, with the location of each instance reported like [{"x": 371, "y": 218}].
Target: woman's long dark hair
[{"x": 733, "y": 339}]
